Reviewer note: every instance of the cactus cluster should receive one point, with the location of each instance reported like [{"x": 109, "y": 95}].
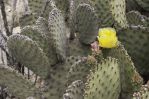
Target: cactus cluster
[{"x": 59, "y": 50}]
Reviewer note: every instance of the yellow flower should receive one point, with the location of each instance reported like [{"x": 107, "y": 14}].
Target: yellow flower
[{"x": 107, "y": 38}]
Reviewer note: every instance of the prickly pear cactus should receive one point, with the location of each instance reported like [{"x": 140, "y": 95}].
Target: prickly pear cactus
[
  {"x": 28, "y": 52},
  {"x": 104, "y": 81},
  {"x": 81, "y": 68},
  {"x": 131, "y": 81},
  {"x": 70, "y": 60},
  {"x": 110, "y": 12},
  {"x": 38, "y": 33},
  {"x": 139, "y": 38},
  {"x": 85, "y": 23},
  {"x": 74, "y": 4},
  {"x": 58, "y": 33}
]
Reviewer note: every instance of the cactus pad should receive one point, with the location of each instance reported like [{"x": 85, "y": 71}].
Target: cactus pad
[
  {"x": 137, "y": 36},
  {"x": 58, "y": 35},
  {"x": 86, "y": 23},
  {"x": 110, "y": 12},
  {"x": 104, "y": 81},
  {"x": 131, "y": 81},
  {"x": 38, "y": 33},
  {"x": 29, "y": 54},
  {"x": 81, "y": 68}
]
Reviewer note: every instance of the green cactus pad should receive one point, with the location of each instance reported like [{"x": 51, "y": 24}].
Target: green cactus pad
[
  {"x": 80, "y": 69},
  {"x": 135, "y": 40},
  {"x": 58, "y": 35},
  {"x": 38, "y": 33},
  {"x": 34, "y": 33},
  {"x": 27, "y": 19},
  {"x": 86, "y": 23},
  {"x": 29, "y": 54},
  {"x": 118, "y": 9},
  {"x": 74, "y": 4},
  {"x": 17, "y": 85},
  {"x": 144, "y": 4},
  {"x": 73, "y": 7},
  {"x": 104, "y": 81},
  {"x": 37, "y": 6},
  {"x": 75, "y": 90},
  {"x": 110, "y": 12},
  {"x": 135, "y": 18},
  {"x": 131, "y": 81}
]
